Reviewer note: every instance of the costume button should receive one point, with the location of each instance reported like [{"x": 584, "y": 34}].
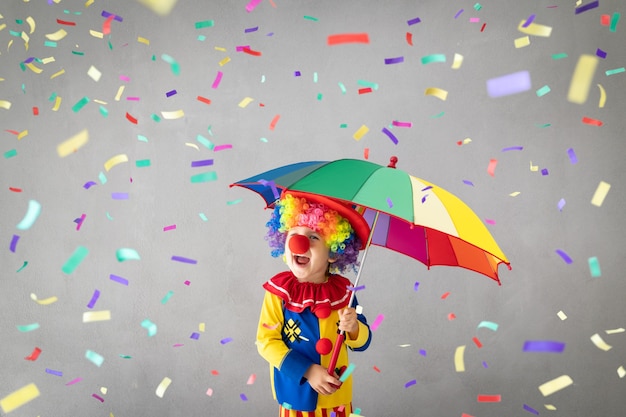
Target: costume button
[
  {"x": 322, "y": 312},
  {"x": 324, "y": 346}
]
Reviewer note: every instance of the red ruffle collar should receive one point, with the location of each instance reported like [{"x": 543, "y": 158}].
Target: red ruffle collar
[{"x": 320, "y": 298}]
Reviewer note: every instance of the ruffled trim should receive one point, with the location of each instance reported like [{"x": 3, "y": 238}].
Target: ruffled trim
[{"x": 332, "y": 294}]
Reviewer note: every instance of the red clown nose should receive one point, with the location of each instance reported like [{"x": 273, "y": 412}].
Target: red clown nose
[{"x": 299, "y": 244}]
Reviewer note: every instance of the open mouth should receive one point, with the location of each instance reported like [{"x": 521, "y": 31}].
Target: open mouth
[{"x": 301, "y": 260}]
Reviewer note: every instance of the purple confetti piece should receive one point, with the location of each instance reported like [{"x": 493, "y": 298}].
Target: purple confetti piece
[
  {"x": 572, "y": 156},
  {"x": 13, "y": 244},
  {"x": 397, "y": 60},
  {"x": 561, "y": 204},
  {"x": 203, "y": 163},
  {"x": 505, "y": 85},
  {"x": 243, "y": 397},
  {"x": 586, "y": 7},
  {"x": 116, "y": 17},
  {"x": 119, "y": 196},
  {"x": 118, "y": 279},
  {"x": 512, "y": 148},
  {"x": 423, "y": 352},
  {"x": 424, "y": 198},
  {"x": 565, "y": 256},
  {"x": 427, "y": 188},
  {"x": 544, "y": 172},
  {"x": 458, "y": 13},
  {"x": 410, "y": 383},
  {"x": 468, "y": 182},
  {"x": 29, "y": 60},
  {"x": 271, "y": 184},
  {"x": 600, "y": 53},
  {"x": 529, "y": 21},
  {"x": 184, "y": 260},
  {"x": 413, "y": 21},
  {"x": 94, "y": 298},
  {"x": 171, "y": 93},
  {"x": 416, "y": 286},
  {"x": 53, "y": 372},
  {"x": 89, "y": 184},
  {"x": 391, "y": 136},
  {"x": 226, "y": 340},
  {"x": 485, "y": 365},
  {"x": 389, "y": 202},
  {"x": 531, "y": 410},
  {"x": 195, "y": 336},
  {"x": 543, "y": 346},
  {"x": 297, "y": 73},
  {"x": 355, "y": 289},
  {"x": 249, "y": 30}
]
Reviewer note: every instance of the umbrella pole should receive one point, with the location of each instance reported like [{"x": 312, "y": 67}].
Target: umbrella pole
[{"x": 341, "y": 334}]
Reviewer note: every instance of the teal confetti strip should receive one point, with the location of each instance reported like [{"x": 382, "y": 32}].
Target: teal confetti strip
[
  {"x": 315, "y": 19},
  {"x": 103, "y": 111},
  {"x": 125, "y": 254},
  {"x": 343, "y": 126},
  {"x": 34, "y": 209},
  {"x": 594, "y": 267},
  {"x": 544, "y": 125},
  {"x": 125, "y": 356},
  {"x": 94, "y": 358},
  {"x": 477, "y": 6},
  {"x": 559, "y": 56},
  {"x": 205, "y": 142},
  {"x": 364, "y": 83},
  {"x": 77, "y": 257},
  {"x": 264, "y": 140},
  {"x": 27, "y": 327},
  {"x": 488, "y": 324},
  {"x": 233, "y": 202},
  {"x": 155, "y": 117},
  {"x": 78, "y": 53},
  {"x": 102, "y": 178},
  {"x": 205, "y": 24},
  {"x": 315, "y": 77},
  {"x": 167, "y": 297},
  {"x": 347, "y": 372},
  {"x": 10, "y": 154},
  {"x": 151, "y": 327},
  {"x": 437, "y": 116},
  {"x": 23, "y": 266},
  {"x": 109, "y": 216},
  {"x": 50, "y": 44},
  {"x": 203, "y": 217},
  {"x": 80, "y": 104},
  {"x": 140, "y": 163},
  {"x": 204, "y": 177},
  {"x": 53, "y": 97},
  {"x": 428, "y": 59},
  {"x": 615, "y": 71},
  {"x": 543, "y": 91},
  {"x": 173, "y": 64},
  {"x": 142, "y": 138},
  {"x": 614, "y": 20},
  {"x": 319, "y": 96},
  {"x": 201, "y": 38},
  {"x": 343, "y": 88}
]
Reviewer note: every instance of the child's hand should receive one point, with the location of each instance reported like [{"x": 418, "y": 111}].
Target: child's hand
[
  {"x": 321, "y": 381},
  {"x": 348, "y": 322}
]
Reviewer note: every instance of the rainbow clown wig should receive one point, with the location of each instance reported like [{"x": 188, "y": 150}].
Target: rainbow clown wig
[{"x": 323, "y": 216}]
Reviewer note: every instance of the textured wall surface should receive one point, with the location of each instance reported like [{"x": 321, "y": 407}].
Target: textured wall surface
[{"x": 127, "y": 261}]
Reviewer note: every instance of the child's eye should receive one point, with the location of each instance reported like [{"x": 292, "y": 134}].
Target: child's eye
[{"x": 314, "y": 237}]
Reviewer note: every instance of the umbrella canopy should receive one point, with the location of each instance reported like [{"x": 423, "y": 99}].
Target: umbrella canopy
[{"x": 414, "y": 217}]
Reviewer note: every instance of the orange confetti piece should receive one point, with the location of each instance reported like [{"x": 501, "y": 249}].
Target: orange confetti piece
[
  {"x": 251, "y": 52},
  {"x": 348, "y": 38},
  {"x": 491, "y": 169},
  {"x": 203, "y": 99}
]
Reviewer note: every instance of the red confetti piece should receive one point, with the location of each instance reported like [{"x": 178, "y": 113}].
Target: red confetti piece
[
  {"x": 489, "y": 398},
  {"x": 451, "y": 316},
  {"x": 466, "y": 415},
  {"x": 131, "y": 118},
  {"x": 592, "y": 122},
  {"x": 409, "y": 38},
  {"x": 366, "y": 153},
  {"x": 251, "y": 52},
  {"x": 65, "y": 22},
  {"x": 34, "y": 355},
  {"x": 482, "y": 29},
  {"x": 348, "y": 38},
  {"x": 445, "y": 295},
  {"x": 605, "y": 20},
  {"x": 477, "y": 342},
  {"x": 203, "y": 99},
  {"x": 15, "y": 190},
  {"x": 365, "y": 90},
  {"x": 274, "y": 121},
  {"x": 376, "y": 369},
  {"x": 214, "y": 372},
  {"x": 106, "y": 26},
  {"x": 492, "y": 167},
  {"x": 36, "y": 111}
]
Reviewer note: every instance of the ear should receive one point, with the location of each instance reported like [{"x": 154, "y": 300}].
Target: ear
[{"x": 332, "y": 260}]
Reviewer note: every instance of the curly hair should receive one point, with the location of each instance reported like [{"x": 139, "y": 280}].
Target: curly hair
[{"x": 339, "y": 236}]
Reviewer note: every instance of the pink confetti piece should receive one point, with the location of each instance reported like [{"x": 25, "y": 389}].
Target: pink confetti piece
[
  {"x": 134, "y": 98},
  {"x": 565, "y": 256},
  {"x": 73, "y": 381},
  {"x": 251, "y": 379},
  {"x": 474, "y": 19},
  {"x": 218, "y": 79},
  {"x": 97, "y": 397},
  {"x": 251, "y": 5},
  {"x": 170, "y": 227},
  {"x": 222, "y": 147},
  {"x": 490, "y": 221},
  {"x": 491, "y": 169},
  {"x": 402, "y": 124},
  {"x": 377, "y": 322},
  {"x": 124, "y": 78}
]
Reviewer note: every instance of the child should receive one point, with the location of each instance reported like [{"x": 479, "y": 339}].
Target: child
[{"x": 304, "y": 308}]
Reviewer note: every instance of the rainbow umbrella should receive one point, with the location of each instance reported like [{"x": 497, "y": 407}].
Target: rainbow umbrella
[{"x": 406, "y": 214}]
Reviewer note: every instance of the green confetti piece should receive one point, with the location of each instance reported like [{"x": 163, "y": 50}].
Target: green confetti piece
[
  {"x": 315, "y": 77},
  {"x": 10, "y": 154},
  {"x": 140, "y": 163},
  {"x": 23, "y": 266},
  {"x": 27, "y": 327},
  {"x": 94, "y": 358},
  {"x": 102, "y": 178},
  {"x": 151, "y": 327},
  {"x": 50, "y": 44},
  {"x": 19, "y": 21},
  {"x": 544, "y": 125},
  {"x": 167, "y": 297},
  {"x": 343, "y": 88},
  {"x": 263, "y": 140},
  {"x": 142, "y": 138},
  {"x": 155, "y": 117},
  {"x": 126, "y": 254},
  {"x": 125, "y": 356},
  {"x": 201, "y": 38},
  {"x": 103, "y": 111},
  {"x": 34, "y": 209},
  {"x": 428, "y": 59},
  {"x": 364, "y": 83},
  {"x": 81, "y": 103},
  {"x": 319, "y": 96},
  {"x": 543, "y": 91},
  {"x": 173, "y": 64},
  {"x": 78, "y": 53},
  {"x": 233, "y": 202},
  {"x": 614, "y": 20},
  {"x": 204, "y": 177},
  {"x": 109, "y": 216},
  {"x": 343, "y": 125},
  {"x": 53, "y": 97},
  {"x": 615, "y": 71},
  {"x": 437, "y": 116},
  {"x": 559, "y": 56},
  {"x": 205, "y": 142},
  {"x": 594, "y": 267},
  {"x": 77, "y": 257},
  {"x": 110, "y": 45},
  {"x": 315, "y": 19},
  {"x": 347, "y": 372},
  {"x": 477, "y": 7},
  {"x": 203, "y": 217},
  {"x": 205, "y": 24}
]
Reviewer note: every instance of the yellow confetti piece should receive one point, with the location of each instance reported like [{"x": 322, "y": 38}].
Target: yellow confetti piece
[
  {"x": 19, "y": 397},
  {"x": 117, "y": 159},
  {"x": 100, "y": 102},
  {"x": 621, "y": 372},
  {"x": 72, "y": 144},
  {"x": 600, "y": 193},
  {"x": 33, "y": 68},
  {"x": 45, "y": 301},
  {"x": 360, "y": 132},
  {"x": 600, "y": 343},
  {"x": 161, "y": 7},
  {"x": 437, "y": 92},
  {"x": 3, "y": 26},
  {"x": 459, "y": 362},
  {"x": 243, "y": 103},
  {"x": 515, "y": 194},
  {"x": 57, "y": 36},
  {"x": 22, "y": 134},
  {"x": 457, "y": 61},
  {"x": 550, "y": 407},
  {"x": 5, "y": 104},
  {"x": 615, "y": 331},
  {"x": 201, "y": 327},
  {"x": 219, "y": 48},
  {"x": 91, "y": 316},
  {"x": 31, "y": 23},
  {"x": 561, "y": 315},
  {"x": 48, "y": 60},
  {"x": 56, "y": 74},
  {"x": 555, "y": 385},
  {"x": 87, "y": 4},
  {"x": 143, "y": 40},
  {"x": 94, "y": 73},
  {"x": 193, "y": 145},
  {"x": 170, "y": 115},
  {"x": 522, "y": 42},
  {"x": 163, "y": 386},
  {"x": 602, "y": 96},
  {"x": 120, "y": 91},
  {"x": 581, "y": 79},
  {"x": 57, "y": 103},
  {"x": 96, "y": 34},
  {"x": 535, "y": 29},
  {"x": 224, "y": 61},
  {"x": 534, "y": 168},
  {"x": 25, "y": 38}
]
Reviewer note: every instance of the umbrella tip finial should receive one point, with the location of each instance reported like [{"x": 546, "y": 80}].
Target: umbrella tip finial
[{"x": 392, "y": 162}]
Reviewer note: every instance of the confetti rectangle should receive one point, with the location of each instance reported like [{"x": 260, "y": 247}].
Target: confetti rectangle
[
  {"x": 582, "y": 78},
  {"x": 555, "y": 385},
  {"x": 543, "y": 346},
  {"x": 19, "y": 397},
  {"x": 505, "y": 85},
  {"x": 600, "y": 194}
]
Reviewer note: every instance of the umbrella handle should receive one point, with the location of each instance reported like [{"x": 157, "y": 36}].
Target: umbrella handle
[{"x": 336, "y": 348}]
